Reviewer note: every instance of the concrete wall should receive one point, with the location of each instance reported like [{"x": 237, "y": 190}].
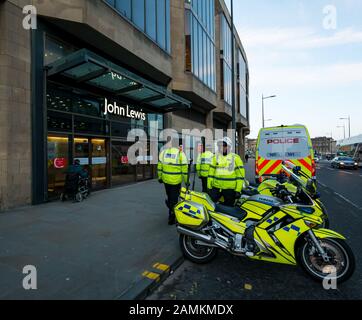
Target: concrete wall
[{"x": 15, "y": 114}]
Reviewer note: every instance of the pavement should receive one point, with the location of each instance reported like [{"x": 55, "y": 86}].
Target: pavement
[
  {"x": 237, "y": 278},
  {"x": 114, "y": 245}
]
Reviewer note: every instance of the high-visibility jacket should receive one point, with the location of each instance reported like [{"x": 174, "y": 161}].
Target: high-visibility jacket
[
  {"x": 226, "y": 172},
  {"x": 172, "y": 166},
  {"x": 203, "y": 164}
]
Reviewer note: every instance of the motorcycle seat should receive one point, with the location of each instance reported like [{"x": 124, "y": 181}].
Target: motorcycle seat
[
  {"x": 231, "y": 211},
  {"x": 249, "y": 192}
]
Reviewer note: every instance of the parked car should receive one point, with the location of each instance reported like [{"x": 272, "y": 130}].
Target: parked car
[
  {"x": 344, "y": 163},
  {"x": 316, "y": 159}
]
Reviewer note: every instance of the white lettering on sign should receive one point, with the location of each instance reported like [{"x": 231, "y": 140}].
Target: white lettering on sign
[
  {"x": 113, "y": 108},
  {"x": 283, "y": 141}
]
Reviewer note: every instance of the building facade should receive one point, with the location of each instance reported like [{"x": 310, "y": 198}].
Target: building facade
[
  {"x": 93, "y": 70},
  {"x": 324, "y": 145}
]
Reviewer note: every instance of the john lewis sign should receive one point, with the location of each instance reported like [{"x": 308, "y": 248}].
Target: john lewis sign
[{"x": 127, "y": 111}]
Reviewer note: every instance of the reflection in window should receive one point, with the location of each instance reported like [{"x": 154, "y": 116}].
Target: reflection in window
[
  {"x": 168, "y": 26},
  {"x": 58, "y": 121},
  {"x": 90, "y": 125},
  {"x": 200, "y": 27},
  {"x": 188, "y": 41},
  {"x": 124, "y": 7},
  {"x": 56, "y": 49},
  {"x": 62, "y": 100},
  {"x": 58, "y": 161},
  {"x": 242, "y": 86},
  {"x": 122, "y": 171},
  {"x": 86, "y": 106},
  {"x": 120, "y": 129},
  {"x": 149, "y": 16},
  {"x": 226, "y": 73},
  {"x": 161, "y": 25},
  {"x": 138, "y": 10}
]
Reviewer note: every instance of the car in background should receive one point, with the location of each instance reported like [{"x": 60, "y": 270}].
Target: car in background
[
  {"x": 344, "y": 163},
  {"x": 316, "y": 159}
]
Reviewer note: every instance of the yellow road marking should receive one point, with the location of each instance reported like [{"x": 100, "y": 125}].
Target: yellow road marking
[
  {"x": 248, "y": 286},
  {"x": 160, "y": 266},
  {"x": 151, "y": 275}
]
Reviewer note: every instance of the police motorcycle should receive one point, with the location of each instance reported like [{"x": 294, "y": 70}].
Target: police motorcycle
[
  {"x": 263, "y": 228},
  {"x": 301, "y": 189}
]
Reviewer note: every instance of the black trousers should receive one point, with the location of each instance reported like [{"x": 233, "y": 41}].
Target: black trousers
[
  {"x": 229, "y": 196},
  {"x": 204, "y": 184},
  {"x": 172, "y": 192}
]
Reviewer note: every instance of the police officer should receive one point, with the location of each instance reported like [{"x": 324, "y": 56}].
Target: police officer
[
  {"x": 226, "y": 175},
  {"x": 172, "y": 169},
  {"x": 203, "y": 166}
]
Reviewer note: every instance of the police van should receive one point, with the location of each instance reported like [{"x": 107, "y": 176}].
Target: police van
[{"x": 284, "y": 143}]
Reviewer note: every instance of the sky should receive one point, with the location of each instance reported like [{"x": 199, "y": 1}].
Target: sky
[{"x": 309, "y": 54}]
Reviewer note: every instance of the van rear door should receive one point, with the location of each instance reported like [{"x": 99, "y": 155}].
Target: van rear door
[{"x": 280, "y": 144}]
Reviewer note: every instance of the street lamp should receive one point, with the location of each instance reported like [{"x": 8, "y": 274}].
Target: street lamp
[
  {"x": 233, "y": 73},
  {"x": 349, "y": 124},
  {"x": 344, "y": 130},
  {"x": 264, "y": 98}
]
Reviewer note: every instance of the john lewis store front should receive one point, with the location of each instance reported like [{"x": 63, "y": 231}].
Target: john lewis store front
[{"x": 91, "y": 105}]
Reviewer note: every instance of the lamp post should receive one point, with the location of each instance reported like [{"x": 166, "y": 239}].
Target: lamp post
[
  {"x": 264, "y": 98},
  {"x": 349, "y": 124},
  {"x": 233, "y": 73},
  {"x": 344, "y": 130}
]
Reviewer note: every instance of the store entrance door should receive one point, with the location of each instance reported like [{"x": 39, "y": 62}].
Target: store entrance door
[
  {"x": 58, "y": 162},
  {"x": 92, "y": 154}
]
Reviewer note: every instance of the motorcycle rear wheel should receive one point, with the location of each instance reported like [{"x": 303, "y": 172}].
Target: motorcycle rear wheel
[
  {"x": 343, "y": 261},
  {"x": 194, "y": 252}
]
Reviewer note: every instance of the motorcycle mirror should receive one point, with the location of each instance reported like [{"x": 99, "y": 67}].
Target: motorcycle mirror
[{"x": 310, "y": 186}]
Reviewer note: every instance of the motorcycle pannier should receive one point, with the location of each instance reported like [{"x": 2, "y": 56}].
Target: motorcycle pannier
[{"x": 191, "y": 214}]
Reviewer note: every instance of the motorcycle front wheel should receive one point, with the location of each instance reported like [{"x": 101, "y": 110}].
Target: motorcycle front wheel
[
  {"x": 340, "y": 267},
  {"x": 194, "y": 252}
]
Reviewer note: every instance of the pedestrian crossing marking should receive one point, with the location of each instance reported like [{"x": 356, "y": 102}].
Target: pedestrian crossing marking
[
  {"x": 151, "y": 275},
  {"x": 160, "y": 266}
]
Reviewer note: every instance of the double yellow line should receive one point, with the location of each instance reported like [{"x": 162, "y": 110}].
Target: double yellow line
[{"x": 156, "y": 276}]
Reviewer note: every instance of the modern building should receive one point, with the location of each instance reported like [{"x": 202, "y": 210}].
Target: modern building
[
  {"x": 144, "y": 62},
  {"x": 324, "y": 145}
]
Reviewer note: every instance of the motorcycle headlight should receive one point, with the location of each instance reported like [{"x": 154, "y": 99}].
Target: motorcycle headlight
[
  {"x": 307, "y": 210},
  {"x": 310, "y": 224}
]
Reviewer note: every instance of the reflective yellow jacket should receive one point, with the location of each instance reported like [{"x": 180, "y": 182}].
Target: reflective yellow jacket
[
  {"x": 226, "y": 172},
  {"x": 203, "y": 164},
  {"x": 172, "y": 166}
]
